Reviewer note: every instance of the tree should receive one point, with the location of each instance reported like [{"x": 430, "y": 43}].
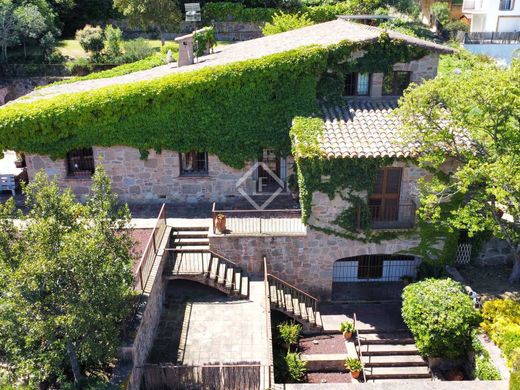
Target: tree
[
  {"x": 30, "y": 24},
  {"x": 164, "y": 15},
  {"x": 441, "y": 11},
  {"x": 65, "y": 281},
  {"x": 8, "y": 35},
  {"x": 113, "y": 42},
  {"x": 285, "y": 22},
  {"x": 482, "y": 107}
]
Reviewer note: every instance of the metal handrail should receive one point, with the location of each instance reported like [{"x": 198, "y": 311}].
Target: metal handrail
[
  {"x": 151, "y": 243},
  {"x": 292, "y": 287},
  {"x": 358, "y": 348},
  {"x": 267, "y": 302}
]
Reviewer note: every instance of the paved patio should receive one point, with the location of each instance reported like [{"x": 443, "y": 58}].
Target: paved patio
[
  {"x": 381, "y": 316},
  {"x": 201, "y": 325}
]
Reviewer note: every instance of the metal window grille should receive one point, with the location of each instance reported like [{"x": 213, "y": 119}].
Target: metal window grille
[
  {"x": 357, "y": 84},
  {"x": 194, "y": 163},
  {"x": 80, "y": 162},
  {"x": 374, "y": 268},
  {"x": 363, "y": 84}
]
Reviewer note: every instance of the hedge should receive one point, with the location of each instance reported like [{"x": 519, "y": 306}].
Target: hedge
[
  {"x": 232, "y": 111},
  {"x": 441, "y": 317},
  {"x": 236, "y": 12}
]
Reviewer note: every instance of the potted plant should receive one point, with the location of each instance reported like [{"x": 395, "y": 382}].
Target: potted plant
[
  {"x": 347, "y": 328},
  {"x": 20, "y": 160},
  {"x": 220, "y": 223},
  {"x": 355, "y": 367}
]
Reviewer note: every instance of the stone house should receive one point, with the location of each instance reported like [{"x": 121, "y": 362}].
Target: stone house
[{"x": 360, "y": 126}]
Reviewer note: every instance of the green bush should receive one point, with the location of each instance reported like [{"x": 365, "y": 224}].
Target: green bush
[
  {"x": 441, "y": 317},
  {"x": 289, "y": 333},
  {"x": 91, "y": 39},
  {"x": 485, "y": 370},
  {"x": 296, "y": 368},
  {"x": 502, "y": 323},
  {"x": 285, "y": 22},
  {"x": 113, "y": 43},
  {"x": 136, "y": 50},
  {"x": 514, "y": 381}
]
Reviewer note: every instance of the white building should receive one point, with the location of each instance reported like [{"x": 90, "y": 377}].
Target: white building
[{"x": 493, "y": 15}]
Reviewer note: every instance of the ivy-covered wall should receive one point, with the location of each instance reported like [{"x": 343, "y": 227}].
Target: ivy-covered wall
[{"x": 232, "y": 111}]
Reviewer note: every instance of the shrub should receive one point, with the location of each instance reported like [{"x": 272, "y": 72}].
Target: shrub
[
  {"x": 289, "y": 332},
  {"x": 485, "y": 370},
  {"x": 285, "y": 22},
  {"x": 441, "y": 317},
  {"x": 346, "y": 326},
  {"x": 514, "y": 381},
  {"x": 204, "y": 39},
  {"x": 227, "y": 11},
  {"x": 502, "y": 323},
  {"x": 296, "y": 368},
  {"x": 431, "y": 269},
  {"x": 136, "y": 50},
  {"x": 113, "y": 42},
  {"x": 91, "y": 39}
]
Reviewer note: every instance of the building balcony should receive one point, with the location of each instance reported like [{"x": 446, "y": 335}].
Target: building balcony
[{"x": 400, "y": 216}]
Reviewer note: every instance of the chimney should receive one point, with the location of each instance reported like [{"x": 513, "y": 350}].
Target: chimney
[{"x": 185, "y": 49}]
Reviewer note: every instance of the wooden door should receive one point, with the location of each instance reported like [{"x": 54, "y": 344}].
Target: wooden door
[{"x": 384, "y": 199}]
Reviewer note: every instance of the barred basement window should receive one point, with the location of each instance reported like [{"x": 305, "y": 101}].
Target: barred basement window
[
  {"x": 357, "y": 84},
  {"x": 395, "y": 83},
  {"x": 80, "y": 162},
  {"x": 194, "y": 164}
]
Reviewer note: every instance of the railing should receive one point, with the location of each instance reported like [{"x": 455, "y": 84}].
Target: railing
[
  {"x": 479, "y": 38},
  {"x": 311, "y": 303},
  {"x": 214, "y": 376},
  {"x": 358, "y": 348},
  {"x": 142, "y": 273},
  {"x": 259, "y": 221},
  {"x": 400, "y": 216},
  {"x": 269, "y": 340}
]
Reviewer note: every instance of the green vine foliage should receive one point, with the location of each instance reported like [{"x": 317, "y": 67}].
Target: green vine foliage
[
  {"x": 207, "y": 110},
  {"x": 205, "y": 39}
]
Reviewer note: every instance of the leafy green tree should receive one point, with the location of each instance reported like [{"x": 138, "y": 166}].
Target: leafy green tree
[
  {"x": 30, "y": 24},
  {"x": 163, "y": 15},
  {"x": 65, "y": 281},
  {"x": 481, "y": 105},
  {"x": 441, "y": 11},
  {"x": 8, "y": 22}
]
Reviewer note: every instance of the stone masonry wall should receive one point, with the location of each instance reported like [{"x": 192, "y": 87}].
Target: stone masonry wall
[
  {"x": 155, "y": 179},
  {"x": 306, "y": 260},
  {"x": 494, "y": 252}
]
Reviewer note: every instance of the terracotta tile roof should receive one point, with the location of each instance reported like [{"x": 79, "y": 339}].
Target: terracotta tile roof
[
  {"x": 322, "y": 34},
  {"x": 363, "y": 128}
]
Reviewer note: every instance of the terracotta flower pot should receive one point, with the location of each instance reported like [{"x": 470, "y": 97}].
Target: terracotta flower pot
[
  {"x": 355, "y": 374},
  {"x": 220, "y": 223},
  {"x": 347, "y": 335}
]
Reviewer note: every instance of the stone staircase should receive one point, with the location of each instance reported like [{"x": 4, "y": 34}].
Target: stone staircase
[
  {"x": 294, "y": 303},
  {"x": 391, "y": 355},
  {"x": 191, "y": 259}
]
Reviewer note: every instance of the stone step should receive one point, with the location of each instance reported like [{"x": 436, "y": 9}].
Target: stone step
[
  {"x": 388, "y": 341},
  {"x": 394, "y": 361},
  {"x": 176, "y": 229},
  {"x": 383, "y": 331},
  {"x": 190, "y": 241},
  {"x": 191, "y": 249},
  {"x": 190, "y": 234},
  {"x": 386, "y": 349},
  {"x": 385, "y": 336},
  {"x": 397, "y": 373}
]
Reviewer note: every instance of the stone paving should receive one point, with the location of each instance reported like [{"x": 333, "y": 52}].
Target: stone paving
[{"x": 201, "y": 325}]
